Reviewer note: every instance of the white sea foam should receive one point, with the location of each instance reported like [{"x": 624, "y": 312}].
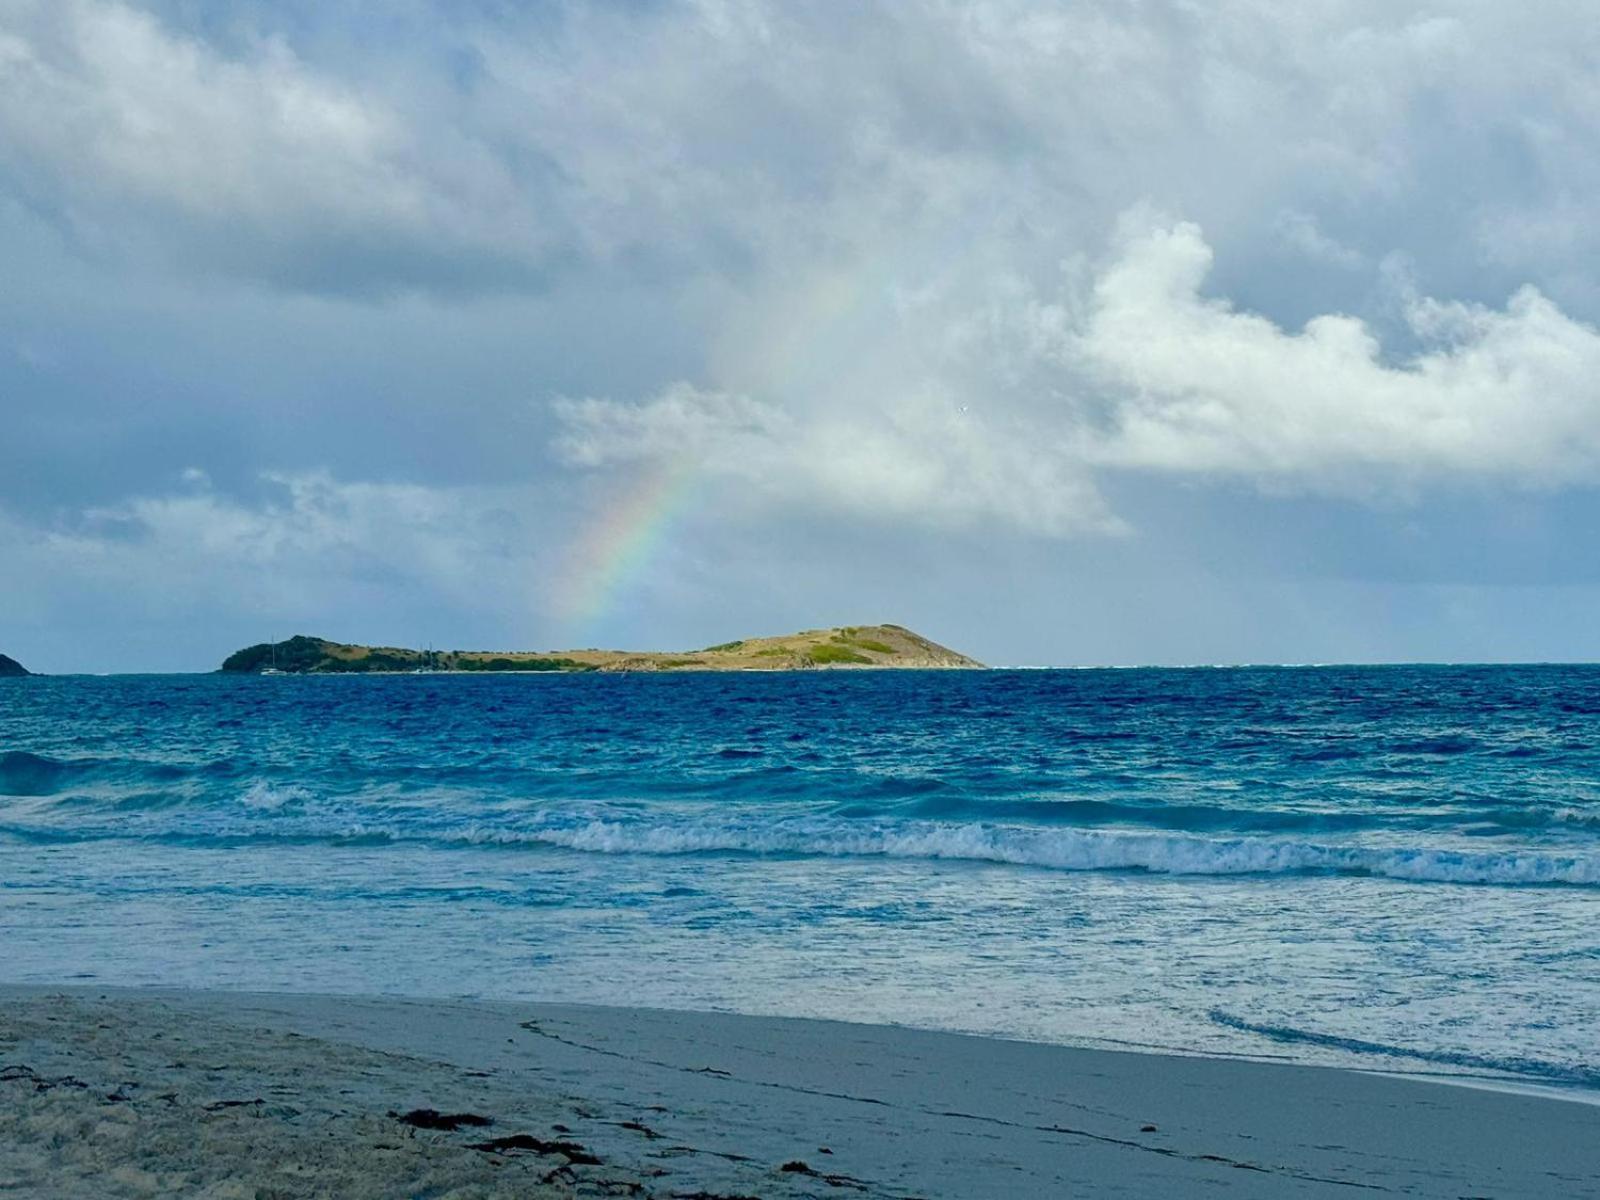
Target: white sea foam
[
  {"x": 262, "y": 796},
  {"x": 1080, "y": 850}
]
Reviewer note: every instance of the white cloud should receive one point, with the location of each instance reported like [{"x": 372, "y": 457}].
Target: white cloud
[
  {"x": 681, "y": 423},
  {"x": 1023, "y": 402},
  {"x": 128, "y": 131},
  {"x": 104, "y": 93},
  {"x": 1204, "y": 388},
  {"x": 700, "y": 139},
  {"x": 750, "y": 146},
  {"x": 932, "y": 461}
]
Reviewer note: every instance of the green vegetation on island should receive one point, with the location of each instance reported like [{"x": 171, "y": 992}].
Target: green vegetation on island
[
  {"x": 10, "y": 667},
  {"x": 844, "y": 646}
]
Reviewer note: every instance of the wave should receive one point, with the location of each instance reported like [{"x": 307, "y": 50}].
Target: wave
[
  {"x": 1541, "y": 1069},
  {"x": 1083, "y": 850},
  {"x": 1121, "y": 801},
  {"x": 38, "y": 775},
  {"x": 273, "y": 820},
  {"x": 78, "y": 788},
  {"x": 24, "y": 774},
  {"x": 262, "y": 796},
  {"x": 1215, "y": 818},
  {"x": 925, "y": 820}
]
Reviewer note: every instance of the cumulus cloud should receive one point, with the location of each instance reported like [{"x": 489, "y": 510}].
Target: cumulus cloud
[
  {"x": 1199, "y": 386},
  {"x": 1145, "y": 373}
]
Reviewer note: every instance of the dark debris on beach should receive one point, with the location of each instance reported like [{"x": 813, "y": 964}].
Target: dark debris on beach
[
  {"x": 573, "y": 1152},
  {"x": 432, "y": 1118}
]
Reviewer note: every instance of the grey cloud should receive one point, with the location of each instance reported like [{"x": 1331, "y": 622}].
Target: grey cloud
[
  {"x": 311, "y": 550},
  {"x": 741, "y": 143},
  {"x": 137, "y": 137},
  {"x": 860, "y": 266}
]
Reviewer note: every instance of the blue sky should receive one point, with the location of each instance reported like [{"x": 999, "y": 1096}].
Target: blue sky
[{"x": 1091, "y": 333}]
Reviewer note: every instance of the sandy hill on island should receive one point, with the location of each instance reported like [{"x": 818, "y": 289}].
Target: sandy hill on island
[{"x": 843, "y": 646}]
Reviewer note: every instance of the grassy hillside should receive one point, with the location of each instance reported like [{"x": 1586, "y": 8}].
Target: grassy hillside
[{"x": 845, "y": 646}]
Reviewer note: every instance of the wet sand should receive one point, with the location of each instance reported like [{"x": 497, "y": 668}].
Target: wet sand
[{"x": 142, "y": 1093}]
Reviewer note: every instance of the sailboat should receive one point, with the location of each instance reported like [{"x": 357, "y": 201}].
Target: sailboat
[{"x": 273, "y": 669}]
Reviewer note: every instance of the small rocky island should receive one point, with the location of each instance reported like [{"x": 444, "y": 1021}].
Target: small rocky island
[
  {"x": 891, "y": 646},
  {"x": 10, "y": 667}
]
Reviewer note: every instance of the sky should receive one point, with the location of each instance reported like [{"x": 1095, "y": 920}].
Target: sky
[{"x": 1130, "y": 332}]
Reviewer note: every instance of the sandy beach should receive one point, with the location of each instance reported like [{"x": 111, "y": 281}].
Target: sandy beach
[{"x": 141, "y": 1093}]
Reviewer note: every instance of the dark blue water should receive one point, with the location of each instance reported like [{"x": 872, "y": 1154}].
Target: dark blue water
[{"x": 1389, "y": 867}]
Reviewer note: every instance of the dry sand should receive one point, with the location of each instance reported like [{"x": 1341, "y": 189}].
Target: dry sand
[{"x": 135, "y": 1093}]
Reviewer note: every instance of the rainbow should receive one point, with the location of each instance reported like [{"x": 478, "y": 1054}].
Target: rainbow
[
  {"x": 619, "y": 542},
  {"x": 828, "y": 328}
]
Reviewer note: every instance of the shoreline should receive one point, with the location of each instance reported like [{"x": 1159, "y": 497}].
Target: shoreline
[
  {"x": 156, "y": 1090},
  {"x": 530, "y": 674}
]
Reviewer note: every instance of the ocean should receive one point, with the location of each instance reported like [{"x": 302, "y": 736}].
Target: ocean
[{"x": 1393, "y": 868}]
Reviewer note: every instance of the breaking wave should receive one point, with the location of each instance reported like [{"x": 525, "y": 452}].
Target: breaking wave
[
  {"x": 1078, "y": 850},
  {"x": 269, "y": 814}
]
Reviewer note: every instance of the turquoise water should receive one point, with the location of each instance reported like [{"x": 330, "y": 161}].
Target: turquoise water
[{"x": 1390, "y": 867}]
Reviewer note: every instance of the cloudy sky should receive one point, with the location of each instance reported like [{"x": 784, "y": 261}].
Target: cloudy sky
[{"x": 1118, "y": 331}]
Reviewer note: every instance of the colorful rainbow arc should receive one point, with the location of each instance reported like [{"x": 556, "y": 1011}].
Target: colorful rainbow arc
[
  {"x": 833, "y": 326},
  {"x": 620, "y": 541}
]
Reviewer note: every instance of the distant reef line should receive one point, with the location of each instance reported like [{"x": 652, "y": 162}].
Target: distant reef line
[{"x": 843, "y": 646}]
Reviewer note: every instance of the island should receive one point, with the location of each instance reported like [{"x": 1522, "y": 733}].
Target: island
[
  {"x": 850, "y": 646},
  {"x": 10, "y": 667}
]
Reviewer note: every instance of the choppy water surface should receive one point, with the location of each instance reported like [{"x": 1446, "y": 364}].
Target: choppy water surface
[{"x": 1392, "y": 867}]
